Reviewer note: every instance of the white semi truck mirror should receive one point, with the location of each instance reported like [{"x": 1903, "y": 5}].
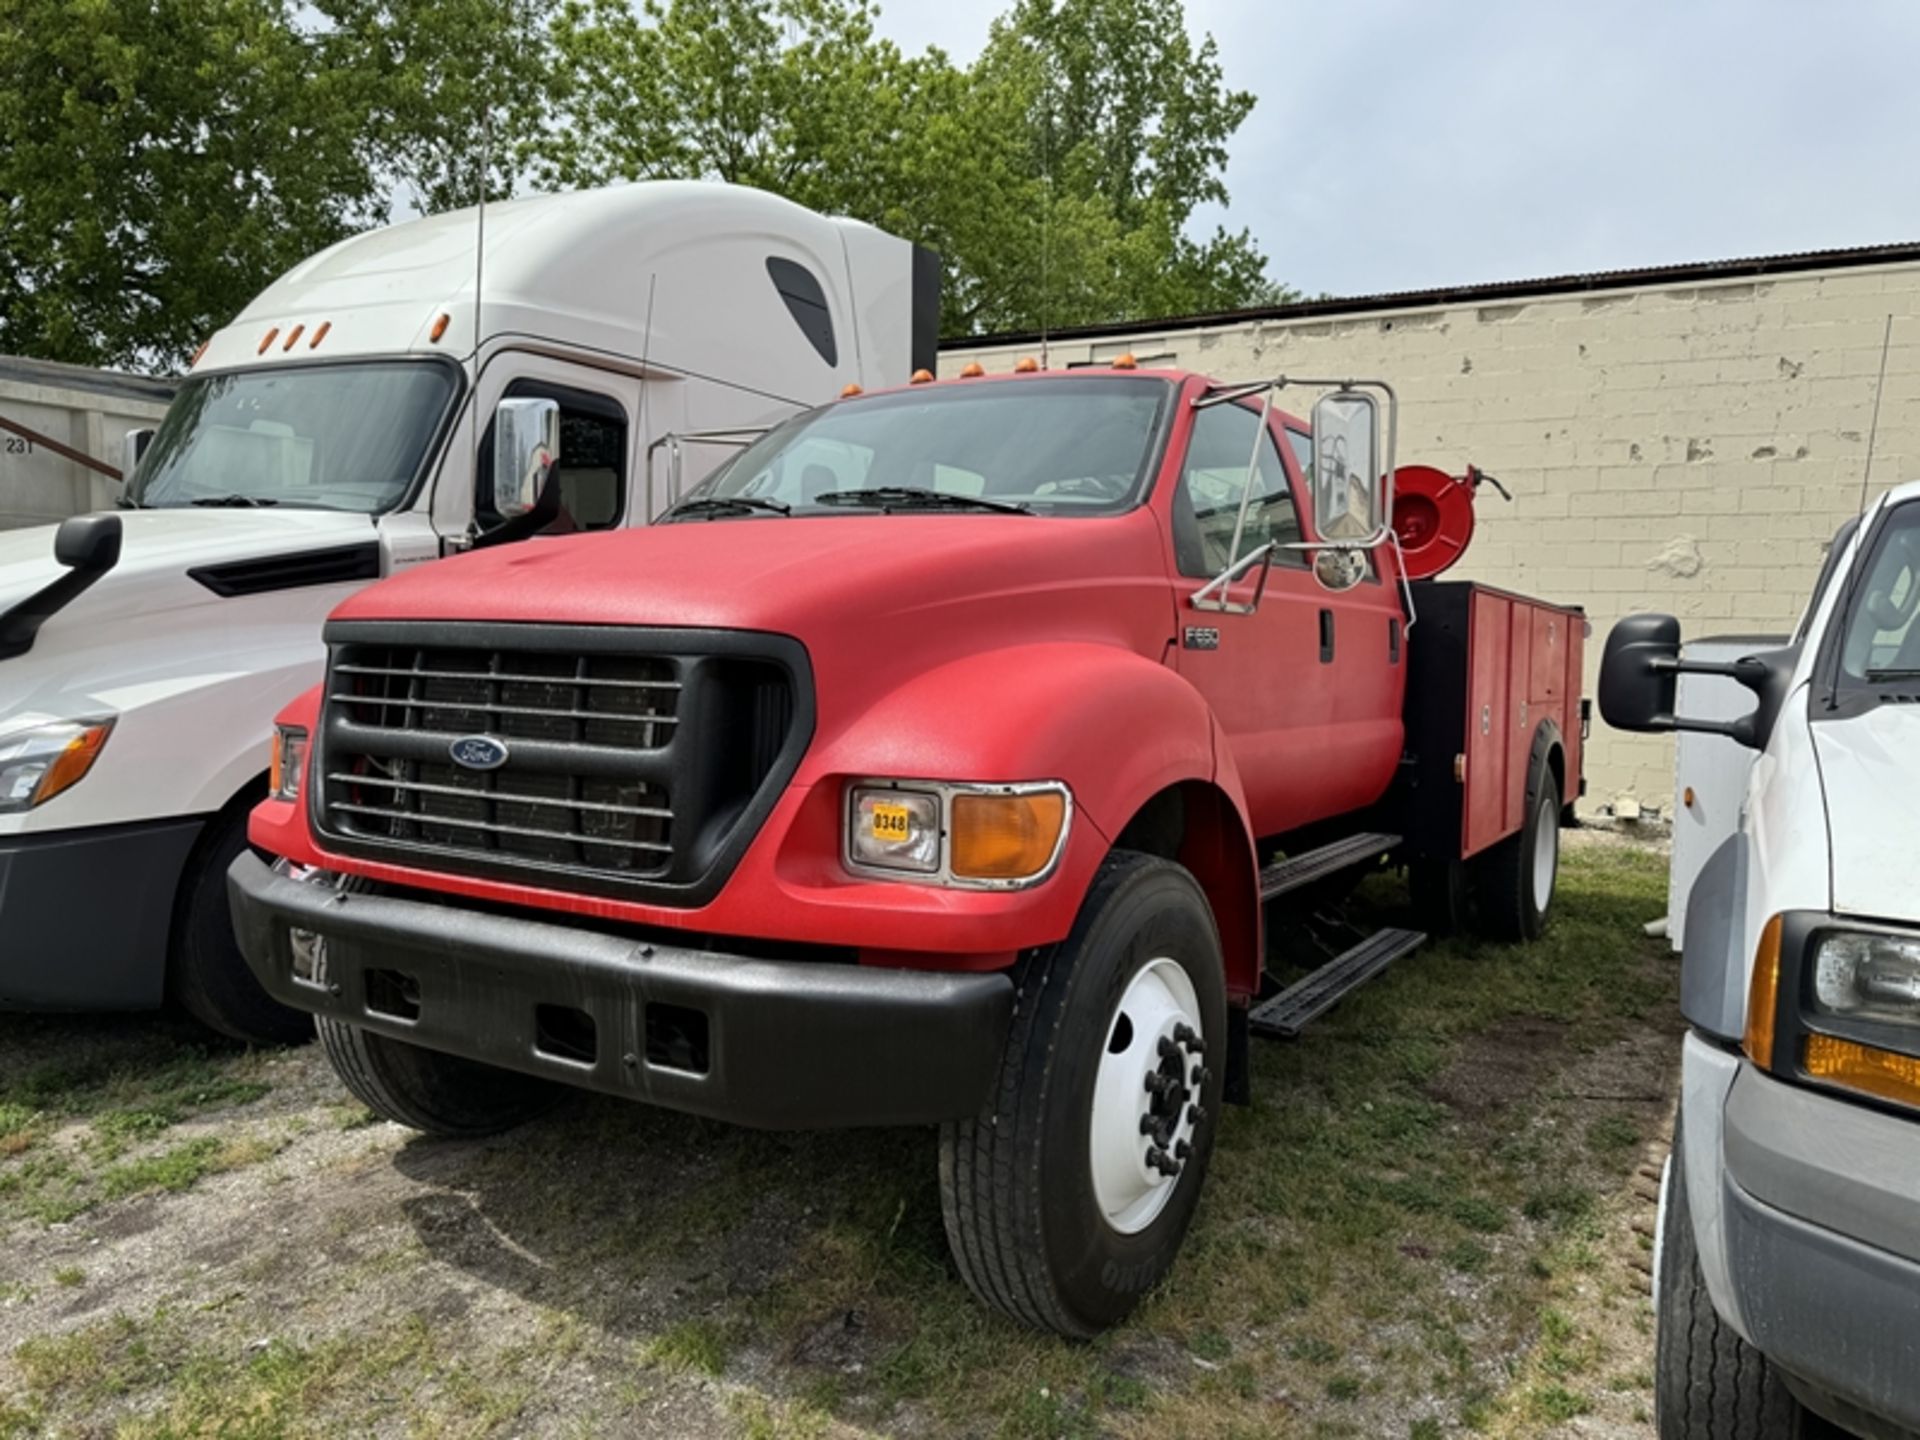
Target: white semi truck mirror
[
  {"x": 1347, "y": 498},
  {"x": 526, "y": 448},
  {"x": 133, "y": 445}
]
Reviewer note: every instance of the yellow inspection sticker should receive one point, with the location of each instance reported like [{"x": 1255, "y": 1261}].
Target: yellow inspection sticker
[{"x": 890, "y": 822}]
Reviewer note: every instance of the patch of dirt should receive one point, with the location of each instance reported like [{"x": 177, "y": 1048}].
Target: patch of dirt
[{"x": 1501, "y": 1068}]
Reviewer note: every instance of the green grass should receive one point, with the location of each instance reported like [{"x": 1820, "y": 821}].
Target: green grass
[{"x": 1383, "y": 1231}]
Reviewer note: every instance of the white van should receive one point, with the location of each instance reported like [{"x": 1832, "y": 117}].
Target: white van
[
  {"x": 1787, "y": 1276},
  {"x": 341, "y": 428}
]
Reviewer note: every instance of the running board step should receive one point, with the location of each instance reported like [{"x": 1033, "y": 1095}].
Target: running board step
[
  {"x": 1288, "y": 1013},
  {"x": 1298, "y": 870}
]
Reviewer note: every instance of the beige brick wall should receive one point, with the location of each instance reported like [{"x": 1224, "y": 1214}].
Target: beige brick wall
[{"x": 1688, "y": 448}]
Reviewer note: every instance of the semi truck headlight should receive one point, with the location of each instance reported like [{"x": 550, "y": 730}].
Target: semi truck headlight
[
  {"x": 1868, "y": 976},
  {"x": 288, "y": 761},
  {"x": 37, "y": 764},
  {"x": 895, "y": 829},
  {"x": 977, "y": 836}
]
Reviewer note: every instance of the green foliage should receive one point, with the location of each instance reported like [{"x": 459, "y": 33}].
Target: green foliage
[{"x": 159, "y": 163}]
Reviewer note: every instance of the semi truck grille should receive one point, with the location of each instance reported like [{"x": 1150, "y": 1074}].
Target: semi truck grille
[{"x": 589, "y": 758}]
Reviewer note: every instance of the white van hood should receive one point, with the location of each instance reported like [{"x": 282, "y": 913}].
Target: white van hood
[
  {"x": 1870, "y": 770},
  {"x": 158, "y": 548}
]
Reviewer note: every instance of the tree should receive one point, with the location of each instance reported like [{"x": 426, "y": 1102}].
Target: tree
[
  {"x": 160, "y": 160},
  {"x": 1056, "y": 176}
]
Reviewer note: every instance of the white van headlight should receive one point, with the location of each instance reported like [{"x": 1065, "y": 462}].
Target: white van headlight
[
  {"x": 37, "y": 764},
  {"x": 1869, "y": 976}
]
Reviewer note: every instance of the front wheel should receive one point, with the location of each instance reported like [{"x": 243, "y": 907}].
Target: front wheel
[{"x": 1068, "y": 1198}]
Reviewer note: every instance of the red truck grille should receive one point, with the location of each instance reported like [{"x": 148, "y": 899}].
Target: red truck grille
[{"x": 555, "y": 752}]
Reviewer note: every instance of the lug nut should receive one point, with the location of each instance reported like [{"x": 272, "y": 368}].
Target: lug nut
[
  {"x": 1187, "y": 1036},
  {"x": 1196, "y": 1114},
  {"x": 1183, "y": 1150},
  {"x": 1158, "y": 1159},
  {"x": 1201, "y": 1075},
  {"x": 1158, "y": 1084},
  {"x": 1168, "y": 1050}
]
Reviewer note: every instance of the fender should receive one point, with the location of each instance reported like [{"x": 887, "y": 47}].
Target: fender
[{"x": 1072, "y": 712}]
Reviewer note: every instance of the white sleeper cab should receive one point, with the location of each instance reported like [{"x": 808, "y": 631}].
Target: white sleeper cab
[
  {"x": 389, "y": 401},
  {"x": 1787, "y": 1264}
]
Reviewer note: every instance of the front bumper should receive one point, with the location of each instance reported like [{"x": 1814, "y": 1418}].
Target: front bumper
[
  {"x": 770, "y": 1043},
  {"x": 1820, "y": 1223},
  {"x": 85, "y": 914}
]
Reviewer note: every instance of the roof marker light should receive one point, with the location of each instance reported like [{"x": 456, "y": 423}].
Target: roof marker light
[
  {"x": 266, "y": 340},
  {"x": 200, "y": 352},
  {"x": 1026, "y": 365},
  {"x": 972, "y": 370},
  {"x": 921, "y": 377},
  {"x": 292, "y": 335},
  {"x": 848, "y": 391},
  {"x": 439, "y": 328},
  {"x": 320, "y": 334},
  {"x": 1125, "y": 362}
]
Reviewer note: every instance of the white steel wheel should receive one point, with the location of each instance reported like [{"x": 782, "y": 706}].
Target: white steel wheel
[
  {"x": 1546, "y": 855},
  {"x": 1149, "y": 1073}
]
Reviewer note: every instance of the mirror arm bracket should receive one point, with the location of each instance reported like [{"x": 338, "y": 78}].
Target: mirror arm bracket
[{"x": 1206, "y": 598}]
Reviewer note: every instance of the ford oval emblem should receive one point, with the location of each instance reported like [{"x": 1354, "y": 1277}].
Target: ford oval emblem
[{"x": 478, "y": 752}]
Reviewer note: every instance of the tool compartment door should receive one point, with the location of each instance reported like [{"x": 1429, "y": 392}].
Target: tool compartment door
[{"x": 1489, "y": 723}]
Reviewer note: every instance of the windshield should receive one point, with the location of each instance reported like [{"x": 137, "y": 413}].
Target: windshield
[
  {"x": 325, "y": 437},
  {"x": 1882, "y": 639},
  {"x": 1055, "y": 447}
]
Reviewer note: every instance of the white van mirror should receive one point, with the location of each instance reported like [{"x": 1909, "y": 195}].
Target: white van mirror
[
  {"x": 1347, "y": 486},
  {"x": 526, "y": 448},
  {"x": 132, "y": 446}
]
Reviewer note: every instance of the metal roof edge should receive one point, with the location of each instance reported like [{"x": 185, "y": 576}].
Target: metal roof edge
[{"x": 1692, "y": 272}]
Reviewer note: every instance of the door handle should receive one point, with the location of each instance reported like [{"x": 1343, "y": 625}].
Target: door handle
[{"x": 1326, "y": 637}]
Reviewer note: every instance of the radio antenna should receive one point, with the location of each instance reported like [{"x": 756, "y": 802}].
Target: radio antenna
[
  {"x": 479, "y": 272},
  {"x": 1046, "y": 222}
]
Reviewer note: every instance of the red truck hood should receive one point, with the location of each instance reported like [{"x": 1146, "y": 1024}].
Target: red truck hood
[{"x": 859, "y": 581}]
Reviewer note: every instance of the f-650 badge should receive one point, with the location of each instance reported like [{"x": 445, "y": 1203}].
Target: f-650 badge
[
  {"x": 1202, "y": 637},
  {"x": 478, "y": 752}
]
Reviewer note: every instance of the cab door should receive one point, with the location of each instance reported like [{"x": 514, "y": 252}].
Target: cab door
[{"x": 1300, "y": 684}]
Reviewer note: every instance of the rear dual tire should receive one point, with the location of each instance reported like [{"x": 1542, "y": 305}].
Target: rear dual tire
[
  {"x": 1514, "y": 881},
  {"x": 1054, "y": 1212}
]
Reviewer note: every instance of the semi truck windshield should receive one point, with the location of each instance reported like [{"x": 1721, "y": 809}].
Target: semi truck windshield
[
  {"x": 326, "y": 437},
  {"x": 1053, "y": 447}
]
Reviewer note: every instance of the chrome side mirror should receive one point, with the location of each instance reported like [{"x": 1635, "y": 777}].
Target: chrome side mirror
[
  {"x": 133, "y": 445},
  {"x": 1349, "y": 502},
  {"x": 526, "y": 448},
  {"x": 1338, "y": 570}
]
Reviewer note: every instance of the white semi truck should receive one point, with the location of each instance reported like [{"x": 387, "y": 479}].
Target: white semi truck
[{"x": 343, "y": 427}]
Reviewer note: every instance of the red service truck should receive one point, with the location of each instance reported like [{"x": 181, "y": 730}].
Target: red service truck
[{"x": 982, "y": 753}]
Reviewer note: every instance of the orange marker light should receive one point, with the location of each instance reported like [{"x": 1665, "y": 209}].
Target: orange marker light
[
  {"x": 1864, "y": 1068},
  {"x": 320, "y": 334},
  {"x": 972, "y": 370},
  {"x": 73, "y": 762},
  {"x": 439, "y": 329},
  {"x": 922, "y": 377},
  {"x": 847, "y": 392},
  {"x": 1005, "y": 837},
  {"x": 266, "y": 340},
  {"x": 1126, "y": 362},
  {"x": 1762, "y": 996},
  {"x": 292, "y": 335},
  {"x": 200, "y": 352},
  {"x": 1026, "y": 365},
  {"x": 1686, "y": 797}
]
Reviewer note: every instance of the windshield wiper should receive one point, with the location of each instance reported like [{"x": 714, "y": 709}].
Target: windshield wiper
[
  {"x": 246, "y": 501},
  {"x": 1898, "y": 672},
  {"x": 913, "y": 497},
  {"x": 728, "y": 505}
]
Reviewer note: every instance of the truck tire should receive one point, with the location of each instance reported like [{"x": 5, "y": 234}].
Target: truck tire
[
  {"x": 1708, "y": 1383},
  {"x": 1441, "y": 895},
  {"x": 427, "y": 1090},
  {"x": 1055, "y": 1214},
  {"x": 206, "y": 974},
  {"x": 1514, "y": 880}
]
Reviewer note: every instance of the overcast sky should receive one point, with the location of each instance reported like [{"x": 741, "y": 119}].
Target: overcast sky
[{"x": 1402, "y": 144}]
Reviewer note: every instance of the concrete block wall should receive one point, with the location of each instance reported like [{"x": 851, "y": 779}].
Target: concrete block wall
[{"x": 1686, "y": 447}]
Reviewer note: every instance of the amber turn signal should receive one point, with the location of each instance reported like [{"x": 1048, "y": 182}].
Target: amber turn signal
[
  {"x": 972, "y": 370},
  {"x": 439, "y": 328},
  {"x": 1005, "y": 837},
  {"x": 1027, "y": 365},
  {"x": 1864, "y": 1068},
  {"x": 1763, "y": 994},
  {"x": 73, "y": 762},
  {"x": 922, "y": 377}
]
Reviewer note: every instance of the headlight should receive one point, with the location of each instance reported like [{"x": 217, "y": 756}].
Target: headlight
[
  {"x": 970, "y": 836},
  {"x": 1868, "y": 977},
  {"x": 37, "y": 764},
  {"x": 287, "y": 762}
]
